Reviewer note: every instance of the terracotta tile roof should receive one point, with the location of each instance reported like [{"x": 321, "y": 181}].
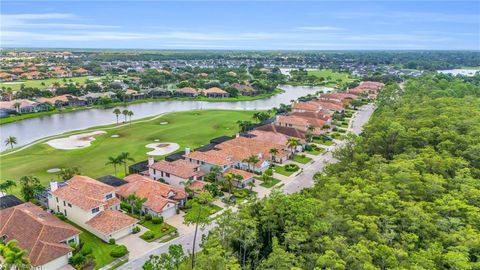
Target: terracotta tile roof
[
  {"x": 84, "y": 192},
  {"x": 342, "y": 97},
  {"x": 305, "y": 106},
  {"x": 215, "y": 90},
  {"x": 327, "y": 105},
  {"x": 63, "y": 98},
  {"x": 325, "y": 116},
  {"x": 157, "y": 203},
  {"x": 293, "y": 120},
  {"x": 5, "y": 75},
  {"x": 37, "y": 231},
  {"x": 198, "y": 185},
  {"x": 212, "y": 157},
  {"x": 180, "y": 168},
  {"x": 145, "y": 187},
  {"x": 269, "y": 136},
  {"x": 242, "y": 148},
  {"x": 246, "y": 175},
  {"x": 10, "y": 104},
  {"x": 289, "y": 131},
  {"x": 110, "y": 221},
  {"x": 187, "y": 90}
]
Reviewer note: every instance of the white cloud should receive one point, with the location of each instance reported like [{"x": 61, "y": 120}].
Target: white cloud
[{"x": 400, "y": 16}]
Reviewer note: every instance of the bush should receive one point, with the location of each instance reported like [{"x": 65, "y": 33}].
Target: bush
[
  {"x": 111, "y": 241},
  {"x": 135, "y": 230},
  {"x": 119, "y": 251},
  {"x": 60, "y": 216},
  {"x": 86, "y": 250},
  {"x": 240, "y": 193},
  {"x": 157, "y": 220},
  {"x": 148, "y": 235},
  {"x": 126, "y": 207},
  {"x": 291, "y": 167},
  {"x": 148, "y": 216},
  {"x": 177, "y": 211},
  {"x": 76, "y": 259}
]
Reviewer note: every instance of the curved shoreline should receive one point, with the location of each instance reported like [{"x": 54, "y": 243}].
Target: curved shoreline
[
  {"x": 75, "y": 132},
  {"x": 21, "y": 117}
]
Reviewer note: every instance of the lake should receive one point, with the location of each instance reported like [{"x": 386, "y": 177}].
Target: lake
[{"x": 30, "y": 130}]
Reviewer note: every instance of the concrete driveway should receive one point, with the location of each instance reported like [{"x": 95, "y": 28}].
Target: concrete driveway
[{"x": 136, "y": 245}]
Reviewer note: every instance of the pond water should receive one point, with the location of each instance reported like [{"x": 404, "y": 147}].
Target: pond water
[{"x": 29, "y": 130}]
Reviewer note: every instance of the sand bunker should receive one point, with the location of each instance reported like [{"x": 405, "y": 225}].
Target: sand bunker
[
  {"x": 164, "y": 123},
  {"x": 75, "y": 141},
  {"x": 160, "y": 149},
  {"x": 115, "y": 136},
  {"x": 54, "y": 170}
]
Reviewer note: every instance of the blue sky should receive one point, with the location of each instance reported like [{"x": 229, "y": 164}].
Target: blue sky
[{"x": 250, "y": 25}]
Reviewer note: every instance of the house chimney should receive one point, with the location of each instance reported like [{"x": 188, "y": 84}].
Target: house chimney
[
  {"x": 150, "y": 161},
  {"x": 260, "y": 155},
  {"x": 53, "y": 186},
  {"x": 187, "y": 150}
]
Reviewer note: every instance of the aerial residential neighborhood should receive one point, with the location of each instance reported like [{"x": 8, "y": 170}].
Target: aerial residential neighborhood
[{"x": 239, "y": 135}]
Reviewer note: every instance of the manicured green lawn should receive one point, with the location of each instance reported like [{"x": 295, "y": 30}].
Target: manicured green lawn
[
  {"x": 301, "y": 159},
  {"x": 193, "y": 129},
  {"x": 101, "y": 250},
  {"x": 281, "y": 170},
  {"x": 317, "y": 151},
  {"x": 270, "y": 183},
  {"x": 323, "y": 142},
  {"x": 15, "y": 85},
  {"x": 331, "y": 75},
  {"x": 160, "y": 230}
]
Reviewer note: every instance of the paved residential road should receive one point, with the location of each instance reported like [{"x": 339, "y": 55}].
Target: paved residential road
[{"x": 301, "y": 181}]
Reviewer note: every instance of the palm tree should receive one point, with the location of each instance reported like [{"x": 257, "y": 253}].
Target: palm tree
[
  {"x": 251, "y": 159},
  {"x": 10, "y": 140},
  {"x": 124, "y": 157},
  {"x": 292, "y": 143},
  {"x": 125, "y": 113},
  {"x": 114, "y": 161},
  {"x": 251, "y": 184},
  {"x": 130, "y": 113},
  {"x": 17, "y": 105},
  {"x": 14, "y": 255},
  {"x": 117, "y": 112},
  {"x": 273, "y": 152},
  {"x": 228, "y": 179},
  {"x": 7, "y": 185}
]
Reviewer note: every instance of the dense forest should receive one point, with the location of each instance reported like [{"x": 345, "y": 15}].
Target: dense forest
[{"x": 404, "y": 195}]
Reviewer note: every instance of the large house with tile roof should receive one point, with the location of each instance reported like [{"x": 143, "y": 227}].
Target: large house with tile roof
[
  {"x": 41, "y": 234},
  {"x": 162, "y": 199},
  {"x": 233, "y": 154},
  {"x": 175, "y": 173},
  {"x": 92, "y": 205}
]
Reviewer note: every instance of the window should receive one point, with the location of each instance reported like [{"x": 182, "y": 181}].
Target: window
[
  {"x": 167, "y": 174},
  {"x": 64, "y": 204},
  {"x": 95, "y": 210},
  {"x": 57, "y": 199},
  {"x": 58, "y": 208},
  {"x": 70, "y": 205},
  {"x": 65, "y": 211},
  {"x": 109, "y": 196}
]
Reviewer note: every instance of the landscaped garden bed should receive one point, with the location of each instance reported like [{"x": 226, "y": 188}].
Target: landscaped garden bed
[
  {"x": 100, "y": 250},
  {"x": 286, "y": 170},
  {"x": 155, "y": 231},
  {"x": 313, "y": 149}
]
